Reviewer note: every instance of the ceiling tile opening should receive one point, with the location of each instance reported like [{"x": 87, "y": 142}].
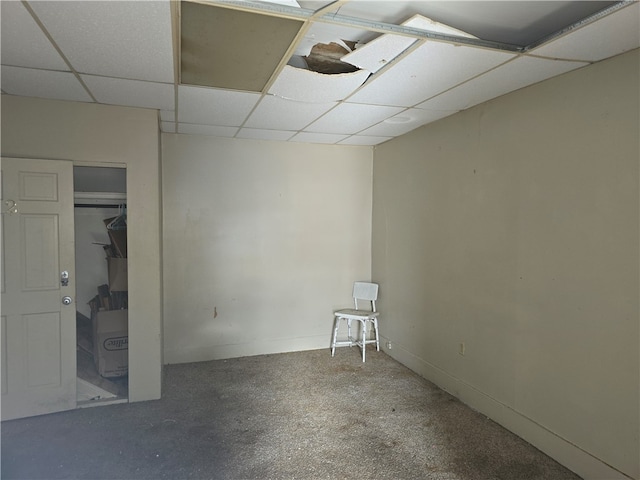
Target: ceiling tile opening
[{"x": 326, "y": 58}]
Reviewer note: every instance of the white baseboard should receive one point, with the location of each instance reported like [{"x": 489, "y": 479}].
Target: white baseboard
[
  {"x": 260, "y": 347},
  {"x": 564, "y": 452}
]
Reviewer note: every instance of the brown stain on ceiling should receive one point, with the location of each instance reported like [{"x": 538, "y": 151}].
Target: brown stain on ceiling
[{"x": 232, "y": 49}]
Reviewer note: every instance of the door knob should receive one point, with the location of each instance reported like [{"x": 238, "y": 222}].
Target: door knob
[{"x": 67, "y": 300}]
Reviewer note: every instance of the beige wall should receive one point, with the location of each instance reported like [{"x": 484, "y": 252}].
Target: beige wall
[
  {"x": 90, "y": 134},
  {"x": 262, "y": 240},
  {"x": 513, "y": 228}
]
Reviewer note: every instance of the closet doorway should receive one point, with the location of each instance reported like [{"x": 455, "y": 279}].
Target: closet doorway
[{"x": 100, "y": 214}]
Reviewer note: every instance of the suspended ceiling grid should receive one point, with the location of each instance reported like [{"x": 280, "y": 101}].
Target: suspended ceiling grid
[{"x": 419, "y": 60}]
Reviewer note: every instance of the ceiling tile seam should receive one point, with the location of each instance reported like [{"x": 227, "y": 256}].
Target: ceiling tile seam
[
  {"x": 293, "y": 134},
  {"x": 198, "y": 134},
  {"x": 346, "y": 138},
  {"x": 207, "y": 124},
  {"x": 87, "y": 74},
  {"x": 302, "y": 31},
  {"x": 46, "y": 33},
  {"x": 291, "y": 137},
  {"x": 382, "y": 121},
  {"x": 36, "y": 68},
  {"x": 557, "y": 59},
  {"x": 124, "y": 78},
  {"x": 588, "y": 20},
  {"x": 515, "y": 57},
  {"x": 355, "y": 135},
  {"x": 385, "y": 68},
  {"x": 337, "y": 104},
  {"x": 333, "y": 6},
  {"x": 246, "y": 119},
  {"x": 304, "y": 129}
]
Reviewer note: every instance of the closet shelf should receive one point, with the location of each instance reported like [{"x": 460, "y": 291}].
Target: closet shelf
[{"x": 99, "y": 199}]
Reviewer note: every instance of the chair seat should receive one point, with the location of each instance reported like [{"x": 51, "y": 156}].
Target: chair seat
[{"x": 355, "y": 314}]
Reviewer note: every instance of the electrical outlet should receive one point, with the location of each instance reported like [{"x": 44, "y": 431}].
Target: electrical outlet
[
  {"x": 389, "y": 346},
  {"x": 461, "y": 349}
]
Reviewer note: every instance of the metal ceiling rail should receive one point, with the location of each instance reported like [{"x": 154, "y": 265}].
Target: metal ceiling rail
[
  {"x": 580, "y": 23},
  {"x": 347, "y": 21},
  {"x": 383, "y": 27}
]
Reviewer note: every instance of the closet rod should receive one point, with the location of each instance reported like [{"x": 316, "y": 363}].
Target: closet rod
[{"x": 98, "y": 205}]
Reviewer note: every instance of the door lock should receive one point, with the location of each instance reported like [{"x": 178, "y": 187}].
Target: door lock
[
  {"x": 64, "y": 278},
  {"x": 67, "y": 300}
]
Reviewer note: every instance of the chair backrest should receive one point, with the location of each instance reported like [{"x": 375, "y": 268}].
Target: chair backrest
[{"x": 365, "y": 291}]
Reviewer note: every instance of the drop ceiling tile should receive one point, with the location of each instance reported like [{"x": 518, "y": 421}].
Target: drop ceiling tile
[
  {"x": 307, "y": 86},
  {"x": 506, "y": 78},
  {"x": 429, "y": 70},
  {"x": 30, "y": 82},
  {"x": 364, "y": 140},
  {"x": 114, "y": 39},
  {"x": 23, "y": 42},
  {"x": 130, "y": 93},
  {"x": 378, "y": 52},
  {"x": 214, "y": 107},
  {"x": 281, "y": 135},
  {"x": 307, "y": 137},
  {"x": 168, "y": 127},
  {"x": 351, "y": 118},
  {"x": 383, "y": 49},
  {"x": 405, "y": 122},
  {"x": 276, "y": 113},
  {"x": 614, "y": 34},
  {"x": 190, "y": 128}
]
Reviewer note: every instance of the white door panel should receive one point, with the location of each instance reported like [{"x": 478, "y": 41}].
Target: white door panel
[{"x": 38, "y": 331}]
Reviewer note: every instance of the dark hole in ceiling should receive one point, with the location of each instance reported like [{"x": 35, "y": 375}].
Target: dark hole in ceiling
[{"x": 325, "y": 58}]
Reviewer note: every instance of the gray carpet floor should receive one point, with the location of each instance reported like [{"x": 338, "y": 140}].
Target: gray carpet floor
[{"x": 302, "y": 415}]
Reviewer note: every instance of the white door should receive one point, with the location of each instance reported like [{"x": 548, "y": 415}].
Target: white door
[{"x": 38, "y": 341}]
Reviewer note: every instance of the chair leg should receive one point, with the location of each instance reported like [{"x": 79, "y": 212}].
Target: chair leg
[
  {"x": 336, "y": 324},
  {"x": 364, "y": 339},
  {"x": 375, "y": 326}
]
